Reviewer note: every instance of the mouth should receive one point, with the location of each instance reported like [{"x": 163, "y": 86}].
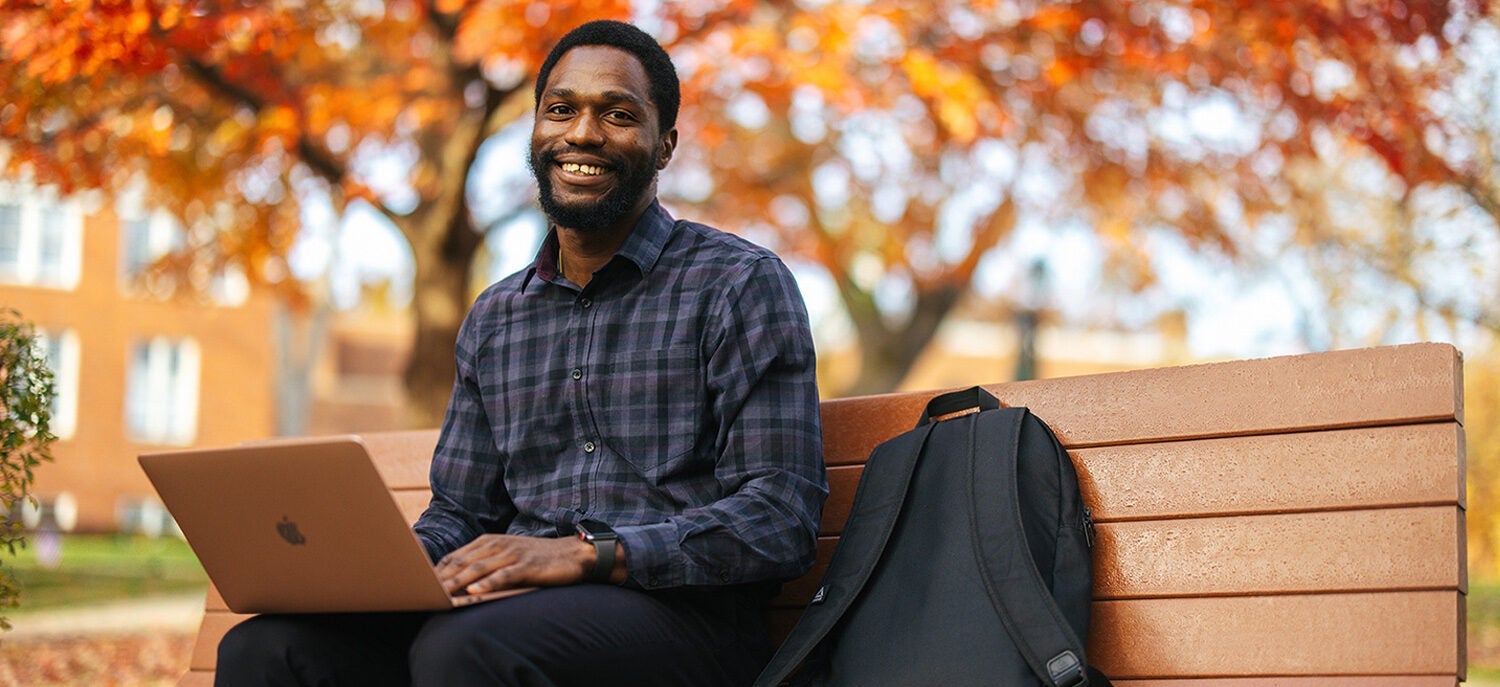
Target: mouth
[{"x": 582, "y": 169}]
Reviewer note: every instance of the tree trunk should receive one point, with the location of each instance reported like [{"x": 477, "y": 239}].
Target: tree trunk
[
  {"x": 888, "y": 353},
  {"x": 440, "y": 299}
]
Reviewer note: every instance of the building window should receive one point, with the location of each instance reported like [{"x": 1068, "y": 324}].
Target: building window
[
  {"x": 161, "y": 403},
  {"x": 10, "y": 233},
  {"x": 144, "y": 238},
  {"x": 41, "y": 238},
  {"x": 147, "y": 236},
  {"x": 60, "y": 350}
]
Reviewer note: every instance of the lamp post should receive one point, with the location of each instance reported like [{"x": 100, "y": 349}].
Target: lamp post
[{"x": 1028, "y": 318}]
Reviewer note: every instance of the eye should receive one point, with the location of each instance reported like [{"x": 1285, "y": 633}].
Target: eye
[
  {"x": 559, "y": 110},
  {"x": 622, "y": 116}
]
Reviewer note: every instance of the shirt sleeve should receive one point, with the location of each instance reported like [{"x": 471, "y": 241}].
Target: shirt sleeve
[
  {"x": 468, "y": 497},
  {"x": 761, "y": 379}
]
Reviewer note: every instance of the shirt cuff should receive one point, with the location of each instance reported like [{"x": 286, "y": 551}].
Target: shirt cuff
[{"x": 652, "y": 556}]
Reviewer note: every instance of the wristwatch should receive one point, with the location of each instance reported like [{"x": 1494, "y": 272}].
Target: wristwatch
[{"x": 603, "y": 538}]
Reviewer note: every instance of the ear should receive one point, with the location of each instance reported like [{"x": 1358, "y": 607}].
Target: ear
[{"x": 668, "y": 146}]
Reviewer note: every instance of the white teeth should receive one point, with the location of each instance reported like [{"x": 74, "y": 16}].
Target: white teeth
[{"x": 587, "y": 170}]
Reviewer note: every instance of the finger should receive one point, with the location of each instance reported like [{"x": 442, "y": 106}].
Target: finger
[
  {"x": 464, "y": 567},
  {"x": 464, "y": 573},
  {"x": 462, "y": 554},
  {"x": 502, "y": 578}
]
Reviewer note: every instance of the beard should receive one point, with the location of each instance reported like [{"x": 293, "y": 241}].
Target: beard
[{"x": 632, "y": 182}]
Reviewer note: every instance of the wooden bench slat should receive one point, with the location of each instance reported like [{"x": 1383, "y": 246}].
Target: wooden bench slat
[
  {"x": 197, "y": 678},
  {"x": 843, "y": 480},
  {"x": 1399, "y": 548},
  {"x": 1396, "y": 548},
  {"x": 1356, "y": 388},
  {"x": 412, "y": 501},
  {"x": 210, "y": 631},
  {"x": 215, "y": 601},
  {"x": 1353, "y": 468},
  {"x": 1396, "y": 633},
  {"x": 402, "y": 458},
  {"x": 1301, "y": 681},
  {"x": 1220, "y": 642}
]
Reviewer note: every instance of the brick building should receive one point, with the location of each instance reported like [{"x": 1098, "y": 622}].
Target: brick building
[{"x": 135, "y": 370}]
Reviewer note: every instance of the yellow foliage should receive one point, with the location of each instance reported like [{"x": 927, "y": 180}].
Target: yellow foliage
[
  {"x": 1482, "y": 435},
  {"x": 170, "y": 14},
  {"x": 956, "y": 94},
  {"x": 958, "y": 118},
  {"x": 279, "y": 121},
  {"x": 140, "y": 21},
  {"x": 1116, "y": 229}
]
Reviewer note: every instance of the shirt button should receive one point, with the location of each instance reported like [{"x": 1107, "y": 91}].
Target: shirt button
[
  {"x": 577, "y": 373},
  {"x": 588, "y": 447},
  {"x": 585, "y": 303},
  {"x": 653, "y": 581}
]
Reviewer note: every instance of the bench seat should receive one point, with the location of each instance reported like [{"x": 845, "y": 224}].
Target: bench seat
[{"x": 1290, "y": 521}]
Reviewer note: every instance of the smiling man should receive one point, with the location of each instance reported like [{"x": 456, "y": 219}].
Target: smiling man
[{"x": 633, "y": 429}]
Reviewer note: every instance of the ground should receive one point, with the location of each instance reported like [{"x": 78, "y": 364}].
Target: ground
[{"x": 145, "y": 658}]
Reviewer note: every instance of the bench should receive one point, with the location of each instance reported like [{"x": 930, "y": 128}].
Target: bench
[{"x": 1288, "y": 521}]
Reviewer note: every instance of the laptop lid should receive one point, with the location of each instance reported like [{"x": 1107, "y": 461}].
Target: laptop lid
[{"x": 298, "y": 526}]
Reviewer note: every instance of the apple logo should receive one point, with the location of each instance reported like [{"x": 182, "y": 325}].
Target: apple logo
[{"x": 288, "y": 531}]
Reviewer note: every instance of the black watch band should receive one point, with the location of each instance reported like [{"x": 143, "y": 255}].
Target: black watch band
[{"x": 603, "y": 538}]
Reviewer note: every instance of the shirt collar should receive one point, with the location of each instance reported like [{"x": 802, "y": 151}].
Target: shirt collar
[{"x": 643, "y": 247}]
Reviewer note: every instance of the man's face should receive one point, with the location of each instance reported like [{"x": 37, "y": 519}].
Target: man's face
[{"x": 596, "y": 144}]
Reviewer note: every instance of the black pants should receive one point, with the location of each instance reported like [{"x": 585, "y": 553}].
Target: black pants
[{"x": 582, "y": 635}]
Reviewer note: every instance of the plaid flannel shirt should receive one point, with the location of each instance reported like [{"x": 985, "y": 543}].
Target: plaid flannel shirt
[{"x": 674, "y": 399}]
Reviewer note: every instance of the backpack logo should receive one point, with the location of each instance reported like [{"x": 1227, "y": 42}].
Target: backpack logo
[{"x": 818, "y": 597}]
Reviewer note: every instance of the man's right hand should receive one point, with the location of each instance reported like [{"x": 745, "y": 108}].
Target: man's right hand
[{"x": 494, "y": 562}]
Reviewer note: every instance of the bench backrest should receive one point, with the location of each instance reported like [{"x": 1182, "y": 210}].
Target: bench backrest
[{"x": 1286, "y": 521}]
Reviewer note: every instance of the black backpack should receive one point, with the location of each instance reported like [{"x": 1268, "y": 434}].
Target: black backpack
[{"x": 964, "y": 561}]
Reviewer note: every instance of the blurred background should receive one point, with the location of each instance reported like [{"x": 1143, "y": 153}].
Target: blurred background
[{"x": 232, "y": 220}]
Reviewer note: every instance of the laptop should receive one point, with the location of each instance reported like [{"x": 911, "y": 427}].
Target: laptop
[{"x": 299, "y": 526}]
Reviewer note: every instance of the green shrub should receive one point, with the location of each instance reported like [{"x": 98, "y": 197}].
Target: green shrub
[{"x": 25, "y": 415}]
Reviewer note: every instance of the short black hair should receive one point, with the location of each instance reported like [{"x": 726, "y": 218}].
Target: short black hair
[{"x": 666, "y": 92}]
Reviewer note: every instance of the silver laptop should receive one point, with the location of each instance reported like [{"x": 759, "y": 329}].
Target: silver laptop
[{"x": 299, "y": 526}]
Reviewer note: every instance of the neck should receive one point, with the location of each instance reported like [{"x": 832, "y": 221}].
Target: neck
[{"x": 581, "y": 253}]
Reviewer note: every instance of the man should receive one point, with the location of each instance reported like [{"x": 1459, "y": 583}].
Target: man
[{"x": 647, "y": 381}]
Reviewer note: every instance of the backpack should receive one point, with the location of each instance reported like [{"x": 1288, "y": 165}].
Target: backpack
[{"x": 964, "y": 561}]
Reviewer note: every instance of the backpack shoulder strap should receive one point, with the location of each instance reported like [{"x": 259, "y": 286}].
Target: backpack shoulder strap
[
  {"x": 1015, "y": 587},
  {"x": 872, "y": 517}
]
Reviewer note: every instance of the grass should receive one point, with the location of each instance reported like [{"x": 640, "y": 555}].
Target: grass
[
  {"x": 103, "y": 567},
  {"x": 1484, "y": 632}
]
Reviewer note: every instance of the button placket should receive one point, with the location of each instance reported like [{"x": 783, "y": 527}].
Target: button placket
[{"x": 579, "y": 347}]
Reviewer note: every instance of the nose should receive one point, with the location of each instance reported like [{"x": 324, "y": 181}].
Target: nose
[{"x": 584, "y": 132}]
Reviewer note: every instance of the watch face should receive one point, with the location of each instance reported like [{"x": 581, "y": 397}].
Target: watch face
[{"x": 593, "y": 529}]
